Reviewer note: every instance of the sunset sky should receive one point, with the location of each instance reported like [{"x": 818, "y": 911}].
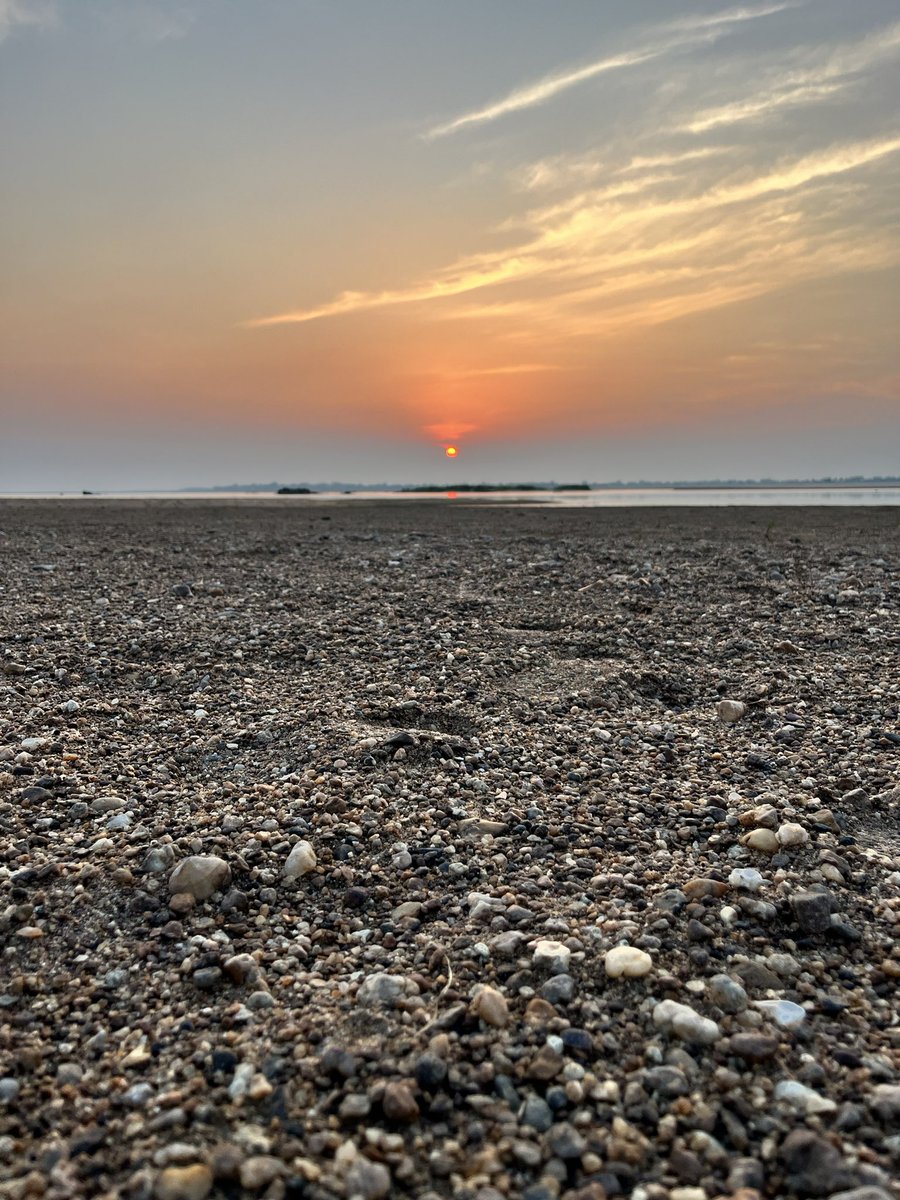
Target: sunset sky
[{"x": 320, "y": 239}]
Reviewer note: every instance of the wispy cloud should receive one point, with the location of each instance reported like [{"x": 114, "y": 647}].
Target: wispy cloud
[
  {"x": 602, "y": 233},
  {"x": 663, "y": 40},
  {"x": 510, "y": 369},
  {"x": 17, "y": 13},
  {"x": 831, "y": 72},
  {"x": 152, "y": 21}
]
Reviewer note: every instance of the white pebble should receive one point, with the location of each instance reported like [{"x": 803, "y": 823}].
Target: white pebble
[
  {"x": 685, "y": 1023},
  {"x": 802, "y": 1098},
  {"x": 552, "y": 956},
  {"x": 784, "y": 1013},
  {"x": 748, "y": 879},
  {"x": 300, "y": 861},
  {"x": 628, "y": 961},
  {"x": 791, "y": 834}
]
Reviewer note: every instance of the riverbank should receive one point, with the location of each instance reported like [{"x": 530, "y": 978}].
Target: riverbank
[{"x": 497, "y": 738}]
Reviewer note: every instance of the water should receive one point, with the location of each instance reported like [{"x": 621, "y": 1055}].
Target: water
[{"x": 773, "y": 497}]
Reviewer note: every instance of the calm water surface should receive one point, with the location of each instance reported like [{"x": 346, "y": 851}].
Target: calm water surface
[{"x": 606, "y": 498}]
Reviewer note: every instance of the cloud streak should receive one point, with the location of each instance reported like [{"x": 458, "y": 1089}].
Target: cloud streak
[
  {"x": 15, "y": 14},
  {"x": 825, "y": 78},
  {"x": 604, "y": 232},
  {"x": 688, "y": 32}
]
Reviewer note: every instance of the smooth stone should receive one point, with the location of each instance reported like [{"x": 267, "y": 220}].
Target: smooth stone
[
  {"x": 764, "y": 841},
  {"x": 367, "y": 1180},
  {"x": 784, "y": 1013},
  {"x": 242, "y": 968},
  {"x": 627, "y": 961},
  {"x": 431, "y": 1071},
  {"x": 201, "y": 875},
  {"x": 885, "y": 1101},
  {"x": 491, "y": 1006},
  {"x": 754, "y": 1047},
  {"x": 746, "y": 879},
  {"x": 792, "y": 834},
  {"x": 107, "y": 804},
  {"x": 558, "y": 989},
  {"x": 552, "y": 956},
  {"x": 158, "y": 859},
  {"x": 697, "y": 889},
  {"x": 537, "y": 1114},
  {"x": 814, "y": 1165},
  {"x": 730, "y": 711},
  {"x": 687, "y": 1024},
  {"x": 727, "y": 994},
  {"x": 184, "y": 1183},
  {"x": 803, "y": 1098},
  {"x": 259, "y": 1170},
  {"x": 301, "y": 861},
  {"x": 862, "y": 1193}
]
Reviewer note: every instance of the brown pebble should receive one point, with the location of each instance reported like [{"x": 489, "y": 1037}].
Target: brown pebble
[
  {"x": 545, "y": 1065},
  {"x": 539, "y": 1012},
  {"x": 696, "y": 889},
  {"x": 755, "y": 1047},
  {"x": 184, "y": 1183},
  {"x": 399, "y": 1103}
]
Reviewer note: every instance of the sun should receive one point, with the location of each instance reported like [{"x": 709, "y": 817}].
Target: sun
[{"x": 451, "y": 451}]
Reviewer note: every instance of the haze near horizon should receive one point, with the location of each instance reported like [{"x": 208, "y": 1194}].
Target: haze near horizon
[{"x": 307, "y": 240}]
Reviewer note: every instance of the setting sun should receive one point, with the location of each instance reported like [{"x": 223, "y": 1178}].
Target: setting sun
[{"x": 451, "y": 451}]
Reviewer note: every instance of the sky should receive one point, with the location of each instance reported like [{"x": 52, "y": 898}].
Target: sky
[{"x": 324, "y": 239}]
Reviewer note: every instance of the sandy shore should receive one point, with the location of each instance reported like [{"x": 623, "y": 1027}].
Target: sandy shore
[{"x": 323, "y": 827}]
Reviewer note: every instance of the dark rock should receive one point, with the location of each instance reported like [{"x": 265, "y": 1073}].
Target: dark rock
[
  {"x": 814, "y": 1167},
  {"x": 536, "y": 1113},
  {"x": 756, "y": 976},
  {"x": 399, "y": 1103},
  {"x": 754, "y": 1047},
  {"x": 812, "y": 911},
  {"x": 36, "y": 795},
  {"x": 431, "y": 1072}
]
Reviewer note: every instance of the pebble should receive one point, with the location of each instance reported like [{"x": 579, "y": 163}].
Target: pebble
[
  {"x": 812, "y": 911},
  {"x": 551, "y": 956},
  {"x": 200, "y": 876},
  {"x": 784, "y": 1013},
  {"x": 627, "y": 961},
  {"x": 727, "y": 994},
  {"x": 491, "y": 1006},
  {"x": 558, "y": 989},
  {"x": 366, "y": 1180},
  {"x": 746, "y": 879},
  {"x": 803, "y": 1098},
  {"x": 399, "y": 1103},
  {"x": 687, "y": 1024},
  {"x": 764, "y": 841},
  {"x": 730, "y": 711},
  {"x": 259, "y": 1170},
  {"x": 301, "y": 861},
  {"x": 485, "y": 760},
  {"x": 380, "y": 989},
  {"x": 754, "y": 1047},
  {"x": 537, "y": 1114},
  {"x": 791, "y": 834},
  {"x": 184, "y": 1183}
]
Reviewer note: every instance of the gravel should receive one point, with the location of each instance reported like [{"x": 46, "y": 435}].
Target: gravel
[{"x": 429, "y": 850}]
